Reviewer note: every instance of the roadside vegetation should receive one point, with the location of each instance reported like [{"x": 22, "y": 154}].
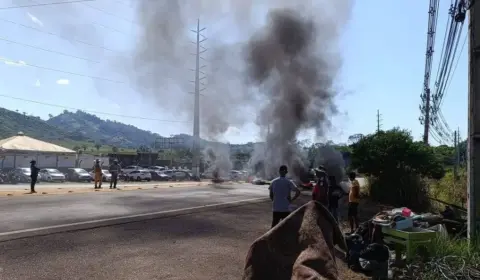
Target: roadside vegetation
[{"x": 403, "y": 172}]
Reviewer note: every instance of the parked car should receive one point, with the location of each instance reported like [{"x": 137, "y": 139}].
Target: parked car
[
  {"x": 139, "y": 175},
  {"x": 19, "y": 175},
  {"x": 235, "y": 175},
  {"x": 78, "y": 175},
  {"x": 106, "y": 175},
  {"x": 130, "y": 168},
  {"x": 180, "y": 175},
  {"x": 156, "y": 168},
  {"x": 51, "y": 175},
  {"x": 159, "y": 176}
]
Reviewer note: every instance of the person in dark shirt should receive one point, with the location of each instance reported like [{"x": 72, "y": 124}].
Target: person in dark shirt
[
  {"x": 33, "y": 175},
  {"x": 334, "y": 195},
  {"x": 115, "y": 170}
]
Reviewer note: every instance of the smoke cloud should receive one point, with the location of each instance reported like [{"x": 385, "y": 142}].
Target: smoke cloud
[
  {"x": 281, "y": 75},
  {"x": 291, "y": 60}
]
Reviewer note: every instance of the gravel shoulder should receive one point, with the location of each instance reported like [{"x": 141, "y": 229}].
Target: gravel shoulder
[{"x": 208, "y": 245}]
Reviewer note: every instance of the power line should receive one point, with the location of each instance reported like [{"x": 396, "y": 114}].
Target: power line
[
  {"x": 90, "y": 111},
  {"x": 59, "y": 36},
  {"x": 47, "y": 50},
  {"x": 44, "y": 4},
  {"x": 109, "y": 13},
  {"x": 64, "y": 72},
  {"x": 96, "y": 23}
]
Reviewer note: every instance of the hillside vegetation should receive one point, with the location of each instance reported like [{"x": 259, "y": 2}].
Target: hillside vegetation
[{"x": 86, "y": 132}]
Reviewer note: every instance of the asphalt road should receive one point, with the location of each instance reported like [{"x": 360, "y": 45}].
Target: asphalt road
[
  {"x": 28, "y": 212},
  {"x": 200, "y": 246}
]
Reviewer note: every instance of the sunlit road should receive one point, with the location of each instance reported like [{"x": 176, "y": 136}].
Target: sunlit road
[{"x": 28, "y": 212}]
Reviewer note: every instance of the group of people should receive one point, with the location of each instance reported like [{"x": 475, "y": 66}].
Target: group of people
[
  {"x": 114, "y": 169},
  {"x": 325, "y": 191}
]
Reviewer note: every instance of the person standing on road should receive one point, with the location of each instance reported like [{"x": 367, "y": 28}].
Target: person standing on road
[
  {"x": 334, "y": 195},
  {"x": 280, "y": 193},
  {"x": 321, "y": 188},
  {"x": 97, "y": 171},
  {"x": 33, "y": 175},
  {"x": 353, "y": 201},
  {"x": 115, "y": 170}
]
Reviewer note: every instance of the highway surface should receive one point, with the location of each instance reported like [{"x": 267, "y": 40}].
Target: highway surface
[{"x": 31, "y": 212}]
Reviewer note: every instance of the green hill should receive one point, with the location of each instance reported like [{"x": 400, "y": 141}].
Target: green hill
[{"x": 87, "y": 132}]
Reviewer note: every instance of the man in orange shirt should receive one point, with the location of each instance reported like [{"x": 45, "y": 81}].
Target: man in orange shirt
[{"x": 353, "y": 200}]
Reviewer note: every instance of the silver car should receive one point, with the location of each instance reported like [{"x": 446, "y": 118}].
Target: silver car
[{"x": 51, "y": 175}]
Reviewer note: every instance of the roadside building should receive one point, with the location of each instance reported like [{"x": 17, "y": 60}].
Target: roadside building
[{"x": 19, "y": 150}]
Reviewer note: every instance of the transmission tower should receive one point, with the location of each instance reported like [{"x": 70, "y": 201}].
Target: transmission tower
[
  {"x": 379, "y": 121},
  {"x": 198, "y": 82}
]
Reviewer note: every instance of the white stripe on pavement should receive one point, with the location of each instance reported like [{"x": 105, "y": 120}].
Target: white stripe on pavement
[{"x": 139, "y": 216}]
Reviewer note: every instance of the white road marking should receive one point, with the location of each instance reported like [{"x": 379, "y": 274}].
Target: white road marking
[{"x": 92, "y": 222}]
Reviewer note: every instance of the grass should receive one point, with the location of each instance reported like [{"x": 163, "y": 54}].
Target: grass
[{"x": 450, "y": 259}]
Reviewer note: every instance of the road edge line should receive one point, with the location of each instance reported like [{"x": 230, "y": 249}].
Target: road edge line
[{"x": 86, "y": 225}]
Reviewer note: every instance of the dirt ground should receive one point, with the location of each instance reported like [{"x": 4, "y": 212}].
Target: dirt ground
[{"x": 202, "y": 246}]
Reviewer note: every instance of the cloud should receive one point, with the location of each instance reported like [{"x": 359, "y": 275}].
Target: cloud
[
  {"x": 232, "y": 130},
  {"x": 13, "y": 63},
  {"x": 35, "y": 19},
  {"x": 63, "y": 82}
]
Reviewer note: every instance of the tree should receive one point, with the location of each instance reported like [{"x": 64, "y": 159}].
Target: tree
[
  {"x": 446, "y": 154},
  {"x": 84, "y": 147},
  {"x": 352, "y": 139},
  {"x": 114, "y": 149},
  {"x": 396, "y": 165},
  {"x": 98, "y": 146},
  {"x": 50, "y": 116}
]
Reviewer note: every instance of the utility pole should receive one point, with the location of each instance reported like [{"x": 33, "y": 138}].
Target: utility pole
[
  {"x": 426, "y": 111},
  {"x": 379, "y": 120},
  {"x": 473, "y": 149},
  {"x": 196, "y": 113},
  {"x": 455, "y": 146},
  {"x": 457, "y": 152}
]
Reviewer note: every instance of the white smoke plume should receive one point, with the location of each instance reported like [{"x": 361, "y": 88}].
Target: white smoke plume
[{"x": 217, "y": 157}]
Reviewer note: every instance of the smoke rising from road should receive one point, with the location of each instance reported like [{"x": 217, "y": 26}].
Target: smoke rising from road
[
  {"x": 281, "y": 76},
  {"x": 291, "y": 60}
]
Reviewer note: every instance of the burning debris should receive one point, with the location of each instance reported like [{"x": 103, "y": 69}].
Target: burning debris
[{"x": 217, "y": 158}]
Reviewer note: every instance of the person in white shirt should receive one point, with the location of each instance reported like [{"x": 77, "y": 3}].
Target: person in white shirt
[{"x": 281, "y": 190}]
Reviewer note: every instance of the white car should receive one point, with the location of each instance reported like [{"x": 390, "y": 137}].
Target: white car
[
  {"x": 106, "y": 175},
  {"x": 139, "y": 175},
  {"x": 51, "y": 175},
  {"x": 156, "y": 168},
  {"x": 130, "y": 168}
]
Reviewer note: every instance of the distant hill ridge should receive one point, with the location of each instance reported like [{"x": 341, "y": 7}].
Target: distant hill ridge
[{"x": 80, "y": 126}]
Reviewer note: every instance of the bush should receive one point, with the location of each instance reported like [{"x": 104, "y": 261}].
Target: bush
[
  {"x": 450, "y": 189},
  {"x": 395, "y": 165}
]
